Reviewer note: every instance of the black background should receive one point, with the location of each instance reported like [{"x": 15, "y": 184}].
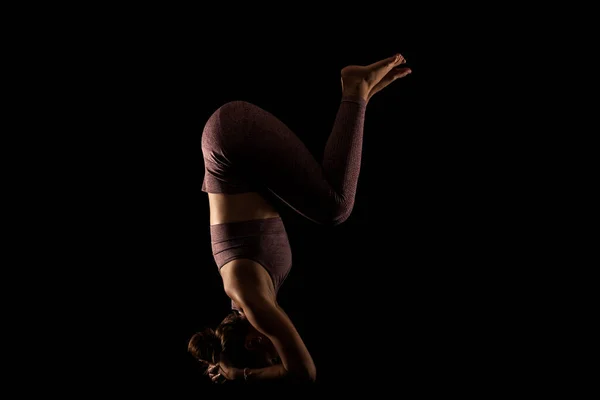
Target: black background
[{"x": 386, "y": 297}]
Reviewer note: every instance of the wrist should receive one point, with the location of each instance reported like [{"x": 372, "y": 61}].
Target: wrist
[
  {"x": 239, "y": 374},
  {"x": 246, "y": 374}
]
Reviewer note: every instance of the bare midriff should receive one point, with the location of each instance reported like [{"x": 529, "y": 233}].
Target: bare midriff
[{"x": 226, "y": 208}]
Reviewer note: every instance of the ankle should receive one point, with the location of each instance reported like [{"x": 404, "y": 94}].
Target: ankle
[{"x": 356, "y": 92}]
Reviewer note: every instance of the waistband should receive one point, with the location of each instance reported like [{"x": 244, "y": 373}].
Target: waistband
[{"x": 255, "y": 227}]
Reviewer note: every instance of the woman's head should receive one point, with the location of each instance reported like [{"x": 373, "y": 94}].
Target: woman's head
[{"x": 236, "y": 340}]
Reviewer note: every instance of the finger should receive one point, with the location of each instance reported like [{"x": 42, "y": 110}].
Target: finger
[
  {"x": 215, "y": 378},
  {"x": 388, "y": 63}
]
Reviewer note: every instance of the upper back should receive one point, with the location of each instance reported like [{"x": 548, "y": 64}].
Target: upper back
[{"x": 244, "y": 278}]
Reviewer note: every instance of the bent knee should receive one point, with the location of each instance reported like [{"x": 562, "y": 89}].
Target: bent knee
[
  {"x": 337, "y": 215},
  {"x": 339, "y": 219}
]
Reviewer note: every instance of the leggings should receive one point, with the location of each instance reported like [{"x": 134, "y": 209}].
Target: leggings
[{"x": 247, "y": 149}]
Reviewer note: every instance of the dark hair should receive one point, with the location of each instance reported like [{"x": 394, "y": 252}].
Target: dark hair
[{"x": 228, "y": 340}]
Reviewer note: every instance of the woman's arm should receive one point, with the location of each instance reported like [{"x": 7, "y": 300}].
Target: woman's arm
[
  {"x": 250, "y": 286},
  {"x": 269, "y": 319},
  {"x": 274, "y": 372}
]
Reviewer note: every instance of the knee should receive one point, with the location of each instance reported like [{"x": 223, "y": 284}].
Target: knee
[
  {"x": 337, "y": 215},
  {"x": 340, "y": 218},
  {"x": 331, "y": 222}
]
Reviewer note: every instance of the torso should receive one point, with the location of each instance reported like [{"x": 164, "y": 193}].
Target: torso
[
  {"x": 226, "y": 208},
  {"x": 239, "y": 207}
]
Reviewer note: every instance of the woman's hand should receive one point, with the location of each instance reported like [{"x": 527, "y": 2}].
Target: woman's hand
[{"x": 222, "y": 372}]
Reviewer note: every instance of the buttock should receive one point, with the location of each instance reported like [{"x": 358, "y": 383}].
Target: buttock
[
  {"x": 237, "y": 138},
  {"x": 223, "y": 151}
]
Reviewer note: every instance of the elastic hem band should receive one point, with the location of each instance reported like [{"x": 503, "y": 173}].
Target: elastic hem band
[{"x": 355, "y": 99}]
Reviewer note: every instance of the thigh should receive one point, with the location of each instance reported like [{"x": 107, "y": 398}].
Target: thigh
[{"x": 277, "y": 160}]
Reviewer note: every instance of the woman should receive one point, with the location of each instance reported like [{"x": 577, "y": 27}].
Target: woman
[{"x": 251, "y": 158}]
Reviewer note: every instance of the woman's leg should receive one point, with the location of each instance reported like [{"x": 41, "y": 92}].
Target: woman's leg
[{"x": 270, "y": 156}]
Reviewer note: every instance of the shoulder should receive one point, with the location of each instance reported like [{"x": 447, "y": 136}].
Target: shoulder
[{"x": 246, "y": 280}]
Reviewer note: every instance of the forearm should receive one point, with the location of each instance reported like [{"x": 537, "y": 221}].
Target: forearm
[
  {"x": 274, "y": 372},
  {"x": 270, "y": 320}
]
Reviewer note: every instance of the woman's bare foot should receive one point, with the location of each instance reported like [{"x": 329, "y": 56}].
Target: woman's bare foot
[{"x": 365, "y": 81}]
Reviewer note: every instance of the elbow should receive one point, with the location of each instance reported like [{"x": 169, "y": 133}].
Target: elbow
[
  {"x": 306, "y": 374},
  {"x": 310, "y": 374}
]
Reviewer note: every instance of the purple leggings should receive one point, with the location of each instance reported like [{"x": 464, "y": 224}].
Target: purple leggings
[{"x": 247, "y": 149}]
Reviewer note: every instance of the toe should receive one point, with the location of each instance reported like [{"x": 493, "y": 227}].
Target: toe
[
  {"x": 388, "y": 63},
  {"x": 385, "y": 63}
]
